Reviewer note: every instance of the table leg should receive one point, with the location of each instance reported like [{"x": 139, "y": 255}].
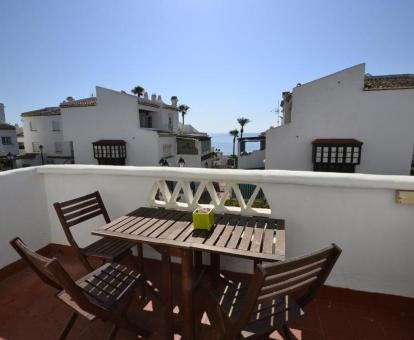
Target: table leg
[
  {"x": 187, "y": 293},
  {"x": 198, "y": 261},
  {"x": 215, "y": 267},
  {"x": 166, "y": 294}
]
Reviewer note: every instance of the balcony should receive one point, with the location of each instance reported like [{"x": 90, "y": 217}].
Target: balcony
[{"x": 369, "y": 294}]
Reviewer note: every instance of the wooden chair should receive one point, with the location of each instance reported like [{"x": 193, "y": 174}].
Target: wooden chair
[
  {"x": 103, "y": 294},
  {"x": 81, "y": 209},
  {"x": 275, "y": 296}
]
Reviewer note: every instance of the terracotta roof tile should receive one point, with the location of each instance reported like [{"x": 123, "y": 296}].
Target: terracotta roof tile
[
  {"x": 47, "y": 111},
  {"x": 389, "y": 82},
  {"x": 91, "y": 101},
  {"x": 4, "y": 126}
]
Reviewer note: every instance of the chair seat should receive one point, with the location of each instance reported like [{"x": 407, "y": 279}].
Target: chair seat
[
  {"x": 105, "y": 286},
  {"x": 108, "y": 249},
  {"x": 231, "y": 296}
]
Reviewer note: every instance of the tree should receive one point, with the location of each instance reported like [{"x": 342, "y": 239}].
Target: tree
[
  {"x": 242, "y": 121},
  {"x": 183, "y": 109},
  {"x": 235, "y": 134},
  {"x": 138, "y": 91}
]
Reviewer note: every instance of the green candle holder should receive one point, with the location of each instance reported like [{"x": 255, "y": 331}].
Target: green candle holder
[{"x": 203, "y": 219}]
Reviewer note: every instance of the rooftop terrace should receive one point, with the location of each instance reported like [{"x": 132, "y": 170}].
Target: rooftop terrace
[{"x": 373, "y": 279}]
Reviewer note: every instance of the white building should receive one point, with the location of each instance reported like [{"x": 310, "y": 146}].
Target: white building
[
  {"x": 375, "y": 110},
  {"x": 42, "y": 130},
  {"x": 8, "y": 139},
  {"x": 148, "y": 126}
]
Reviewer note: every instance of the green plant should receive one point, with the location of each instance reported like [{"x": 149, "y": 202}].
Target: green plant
[
  {"x": 138, "y": 90},
  {"x": 242, "y": 121},
  {"x": 183, "y": 109},
  {"x": 235, "y": 134},
  {"x": 258, "y": 203}
]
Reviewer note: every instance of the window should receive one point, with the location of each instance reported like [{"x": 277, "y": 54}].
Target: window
[
  {"x": 58, "y": 147},
  {"x": 6, "y": 140},
  {"x": 35, "y": 146},
  {"x": 167, "y": 150},
  {"x": 338, "y": 155},
  {"x": 21, "y": 145},
  {"x": 170, "y": 124},
  {"x": 31, "y": 126},
  {"x": 55, "y": 125}
]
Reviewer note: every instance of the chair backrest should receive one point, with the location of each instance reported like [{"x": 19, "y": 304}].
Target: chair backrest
[
  {"x": 299, "y": 277},
  {"x": 77, "y": 210},
  {"x": 52, "y": 273},
  {"x": 37, "y": 262}
]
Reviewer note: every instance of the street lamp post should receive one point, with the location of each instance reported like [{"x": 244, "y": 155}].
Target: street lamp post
[
  {"x": 10, "y": 158},
  {"x": 41, "y": 154}
]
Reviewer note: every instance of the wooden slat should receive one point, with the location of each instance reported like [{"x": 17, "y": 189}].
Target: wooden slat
[
  {"x": 84, "y": 218},
  {"x": 247, "y": 235},
  {"x": 236, "y": 235},
  {"x": 83, "y": 212},
  {"x": 143, "y": 227},
  {"x": 272, "y": 279},
  {"x": 162, "y": 223},
  {"x": 257, "y": 236},
  {"x": 269, "y": 235},
  {"x": 218, "y": 229},
  {"x": 79, "y": 206},
  {"x": 174, "y": 231},
  {"x": 224, "y": 237},
  {"x": 134, "y": 226},
  {"x": 78, "y": 200}
]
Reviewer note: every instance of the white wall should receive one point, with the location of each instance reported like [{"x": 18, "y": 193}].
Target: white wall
[
  {"x": 356, "y": 211},
  {"x": 44, "y": 135},
  {"x": 23, "y": 212},
  {"x": 337, "y": 107},
  {"x": 6, "y": 148},
  {"x": 253, "y": 160},
  {"x": 114, "y": 117}
]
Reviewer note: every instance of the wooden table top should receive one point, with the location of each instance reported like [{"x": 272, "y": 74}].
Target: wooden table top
[{"x": 258, "y": 238}]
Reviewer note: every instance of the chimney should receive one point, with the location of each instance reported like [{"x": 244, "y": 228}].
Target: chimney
[
  {"x": 146, "y": 95},
  {"x": 174, "y": 101},
  {"x": 159, "y": 99},
  {"x": 2, "y": 114},
  {"x": 153, "y": 97}
]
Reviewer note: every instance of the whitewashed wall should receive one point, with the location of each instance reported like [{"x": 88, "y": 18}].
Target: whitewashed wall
[
  {"x": 114, "y": 117},
  {"x": 44, "y": 134},
  {"x": 337, "y": 107},
  {"x": 6, "y": 148},
  {"x": 23, "y": 211},
  {"x": 356, "y": 211},
  {"x": 253, "y": 160}
]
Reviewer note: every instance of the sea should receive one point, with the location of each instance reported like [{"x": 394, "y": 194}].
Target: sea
[{"x": 224, "y": 142}]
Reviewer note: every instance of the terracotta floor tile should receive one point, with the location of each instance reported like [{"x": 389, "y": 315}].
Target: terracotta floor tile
[{"x": 28, "y": 309}]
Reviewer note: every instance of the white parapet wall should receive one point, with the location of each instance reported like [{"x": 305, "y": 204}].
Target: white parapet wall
[{"x": 358, "y": 212}]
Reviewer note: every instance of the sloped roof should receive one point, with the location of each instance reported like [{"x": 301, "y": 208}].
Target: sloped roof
[
  {"x": 91, "y": 101},
  {"x": 4, "y": 126},
  {"x": 47, "y": 111},
  {"x": 389, "y": 82}
]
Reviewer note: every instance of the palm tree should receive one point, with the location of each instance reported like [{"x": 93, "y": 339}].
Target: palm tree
[
  {"x": 235, "y": 134},
  {"x": 242, "y": 121},
  {"x": 138, "y": 91},
  {"x": 183, "y": 109}
]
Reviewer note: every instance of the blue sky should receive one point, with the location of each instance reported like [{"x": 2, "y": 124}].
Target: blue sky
[{"x": 225, "y": 59}]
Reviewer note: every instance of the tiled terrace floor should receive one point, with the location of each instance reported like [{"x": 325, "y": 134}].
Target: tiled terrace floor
[{"x": 28, "y": 310}]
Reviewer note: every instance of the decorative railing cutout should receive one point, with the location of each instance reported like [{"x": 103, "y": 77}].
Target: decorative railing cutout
[{"x": 245, "y": 199}]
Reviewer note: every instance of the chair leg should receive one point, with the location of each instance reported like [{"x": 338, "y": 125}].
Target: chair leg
[
  {"x": 68, "y": 326},
  {"x": 287, "y": 334},
  {"x": 113, "y": 332}
]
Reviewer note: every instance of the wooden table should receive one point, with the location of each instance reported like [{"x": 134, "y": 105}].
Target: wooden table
[{"x": 171, "y": 233}]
